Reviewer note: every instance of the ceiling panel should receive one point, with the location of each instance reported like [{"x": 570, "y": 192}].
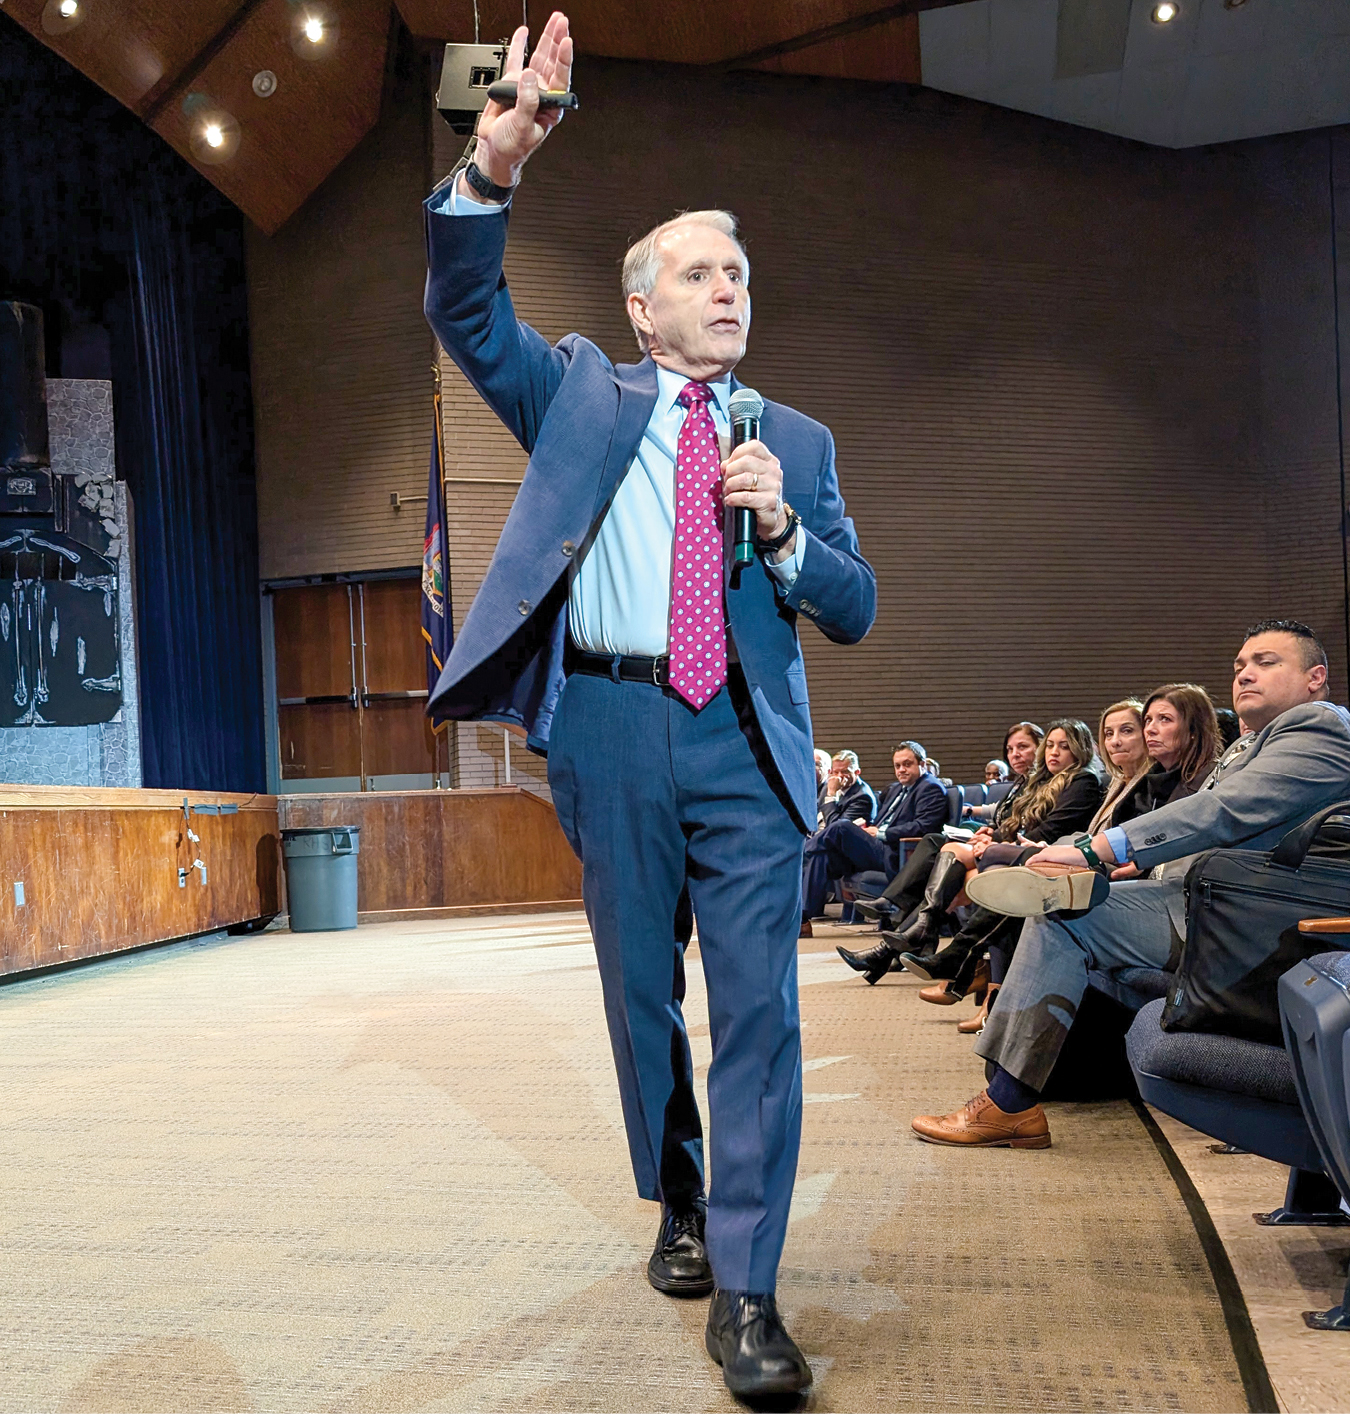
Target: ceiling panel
[
  {"x": 1213, "y": 75},
  {"x": 321, "y": 108},
  {"x": 689, "y": 32},
  {"x": 887, "y": 52},
  {"x": 128, "y": 47}
]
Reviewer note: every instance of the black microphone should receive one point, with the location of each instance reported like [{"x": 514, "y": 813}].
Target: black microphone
[{"x": 745, "y": 408}]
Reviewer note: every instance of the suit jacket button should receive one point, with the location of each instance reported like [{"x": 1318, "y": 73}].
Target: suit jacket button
[
  {"x": 568, "y": 549},
  {"x": 524, "y": 607}
]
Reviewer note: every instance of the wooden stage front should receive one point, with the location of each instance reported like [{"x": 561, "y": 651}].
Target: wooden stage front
[{"x": 87, "y": 872}]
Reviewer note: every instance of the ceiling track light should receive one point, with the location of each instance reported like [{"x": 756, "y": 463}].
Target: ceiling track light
[{"x": 1165, "y": 12}]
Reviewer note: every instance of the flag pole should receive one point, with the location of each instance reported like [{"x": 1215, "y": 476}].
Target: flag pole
[{"x": 450, "y": 730}]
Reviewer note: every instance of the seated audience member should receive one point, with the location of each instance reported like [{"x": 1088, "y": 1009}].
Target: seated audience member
[
  {"x": 1295, "y": 763},
  {"x": 933, "y": 767},
  {"x": 1230, "y": 727},
  {"x": 1019, "y": 751},
  {"x": 846, "y": 795},
  {"x": 914, "y": 805},
  {"x": 1061, "y": 795},
  {"x": 822, "y": 772},
  {"x": 1177, "y": 731},
  {"x": 995, "y": 772}
]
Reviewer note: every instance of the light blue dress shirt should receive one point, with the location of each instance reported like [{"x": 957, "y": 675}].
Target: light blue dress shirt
[{"x": 619, "y": 591}]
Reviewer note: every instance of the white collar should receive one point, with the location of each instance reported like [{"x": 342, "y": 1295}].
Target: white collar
[{"x": 669, "y": 386}]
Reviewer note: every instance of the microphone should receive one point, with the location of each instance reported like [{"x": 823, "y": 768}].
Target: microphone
[{"x": 745, "y": 407}]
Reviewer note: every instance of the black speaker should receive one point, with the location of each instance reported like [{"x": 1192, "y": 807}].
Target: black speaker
[{"x": 23, "y": 389}]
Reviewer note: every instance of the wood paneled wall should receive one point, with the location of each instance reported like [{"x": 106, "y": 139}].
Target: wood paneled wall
[
  {"x": 449, "y": 852},
  {"x": 98, "y": 870},
  {"x": 342, "y": 356},
  {"x": 1070, "y": 430}
]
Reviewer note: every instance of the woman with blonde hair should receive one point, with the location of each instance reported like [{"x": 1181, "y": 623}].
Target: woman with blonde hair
[{"x": 1120, "y": 744}]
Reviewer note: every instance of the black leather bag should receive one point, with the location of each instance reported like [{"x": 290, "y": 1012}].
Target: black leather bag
[{"x": 1242, "y": 913}]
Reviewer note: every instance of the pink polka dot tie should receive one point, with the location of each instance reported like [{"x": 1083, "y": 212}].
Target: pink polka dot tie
[{"x": 698, "y": 634}]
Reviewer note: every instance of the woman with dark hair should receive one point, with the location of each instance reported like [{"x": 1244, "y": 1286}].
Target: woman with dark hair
[{"x": 1062, "y": 791}]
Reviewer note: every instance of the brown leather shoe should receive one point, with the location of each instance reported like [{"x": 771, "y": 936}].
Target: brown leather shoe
[
  {"x": 973, "y": 1025},
  {"x": 979, "y": 1123},
  {"x": 949, "y": 993},
  {"x": 807, "y": 931},
  {"x": 939, "y": 995}
]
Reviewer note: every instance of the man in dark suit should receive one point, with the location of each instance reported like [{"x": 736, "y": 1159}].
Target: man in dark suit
[
  {"x": 669, "y": 694},
  {"x": 915, "y": 805},
  {"x": 845, "y": 795}
]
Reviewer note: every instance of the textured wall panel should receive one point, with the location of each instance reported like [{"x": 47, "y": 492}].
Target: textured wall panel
[
  {"x": 1039, "y": 350},
  {"x": 1046, "y": 356},
  {"x": 342, "y": 357}
]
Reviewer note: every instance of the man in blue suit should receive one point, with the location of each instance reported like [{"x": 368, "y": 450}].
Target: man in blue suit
[
  {"x": 669, "y": 695},
  {"x": 915, "y": 805}
]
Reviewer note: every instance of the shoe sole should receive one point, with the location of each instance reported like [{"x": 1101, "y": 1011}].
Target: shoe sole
[
  {"x": 917, "y": 968},
  {"x": 761, "y": 1389},
  {"x": 680, "y": 1288},
  {"x": 1023, "y": 893},
  {"x": 1036, "y": 1141}
]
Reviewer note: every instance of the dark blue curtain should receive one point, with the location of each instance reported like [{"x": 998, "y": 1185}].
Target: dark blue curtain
[{"x": 106, "y": 228}]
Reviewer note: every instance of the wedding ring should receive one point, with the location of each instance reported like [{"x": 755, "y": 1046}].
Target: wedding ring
[{"x": 754, "y": 481}]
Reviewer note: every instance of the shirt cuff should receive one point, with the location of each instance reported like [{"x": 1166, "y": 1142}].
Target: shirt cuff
[
  {"x": 787, "y": 571},
  {"x": 452, "y": 202},
  {"x": 1120, "y": 844}
]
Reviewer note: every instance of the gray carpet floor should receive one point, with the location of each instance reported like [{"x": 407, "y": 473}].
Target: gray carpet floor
[{"x": 385, "y": 1170}]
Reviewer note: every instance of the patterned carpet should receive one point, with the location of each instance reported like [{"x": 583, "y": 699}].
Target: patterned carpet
[{"x": 384, "y": 1170}]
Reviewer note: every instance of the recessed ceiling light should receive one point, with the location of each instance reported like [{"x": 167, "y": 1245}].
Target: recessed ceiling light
[
  {"x": 314, "y": 30},
  {"x": 1166, "y": 12},
  {"x": 213, "y": 134},
  {"x": 60, "y": 16}
]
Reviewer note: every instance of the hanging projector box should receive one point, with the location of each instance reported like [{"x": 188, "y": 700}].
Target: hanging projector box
[{"x": 467, "y": 72}]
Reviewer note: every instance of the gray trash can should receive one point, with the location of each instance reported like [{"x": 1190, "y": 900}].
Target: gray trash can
[{"x": 321, "y": 876}]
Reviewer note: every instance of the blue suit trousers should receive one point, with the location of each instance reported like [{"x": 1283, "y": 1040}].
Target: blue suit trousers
[
  {"x": 667, "y": 808},
  {"x": 840, "y": 849}
]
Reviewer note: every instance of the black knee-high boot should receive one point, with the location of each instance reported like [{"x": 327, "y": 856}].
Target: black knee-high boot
[
  {"x": 957, "y": 961},
  {"x": 922, "y": 933}
]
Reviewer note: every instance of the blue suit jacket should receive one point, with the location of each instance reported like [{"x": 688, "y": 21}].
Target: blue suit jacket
[
  {"x": 581, "y": 419},
  {"x": 924, "y": 812}
]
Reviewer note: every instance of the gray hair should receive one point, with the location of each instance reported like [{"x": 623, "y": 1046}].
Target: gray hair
[
  {"x": 849, "y": 758},
  {"x": 642, "y": 264}
]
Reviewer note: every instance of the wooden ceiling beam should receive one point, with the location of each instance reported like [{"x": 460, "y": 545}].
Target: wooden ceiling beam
[
  {"x": 171, "y": 85},
  {"x": 831, "y": 33}
]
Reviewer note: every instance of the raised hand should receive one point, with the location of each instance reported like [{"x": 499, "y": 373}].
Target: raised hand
[{"x": 508, "y": 136}]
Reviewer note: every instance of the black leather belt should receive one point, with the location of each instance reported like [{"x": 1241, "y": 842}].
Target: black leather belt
[{"x": 621, "y": 667}]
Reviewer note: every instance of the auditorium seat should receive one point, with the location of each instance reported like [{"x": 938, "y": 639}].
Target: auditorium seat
[
  {"x": 1315, "y": 1014},
  {"x": 1242, "y": 1093}
]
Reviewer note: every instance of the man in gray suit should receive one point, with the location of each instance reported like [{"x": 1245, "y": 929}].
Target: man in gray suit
[{"x": 1293, "y": 762}]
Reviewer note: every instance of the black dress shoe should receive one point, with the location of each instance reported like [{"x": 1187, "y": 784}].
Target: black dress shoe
[
  {"x": 876, "y": 908},
  {"x": 679, "y": 1265},
  {"x": 873, "y": 963},
  {"x": 759, "y": 1359}
]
